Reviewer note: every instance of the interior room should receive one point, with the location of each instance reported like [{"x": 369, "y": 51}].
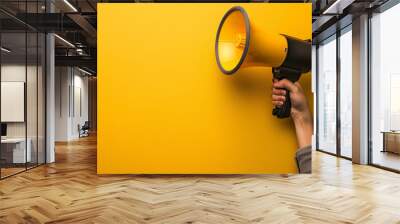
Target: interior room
[
  {"x": 22, "y": 100},
  {"x": 334, "y": 56},
  {"x": 51, "y": 170}
]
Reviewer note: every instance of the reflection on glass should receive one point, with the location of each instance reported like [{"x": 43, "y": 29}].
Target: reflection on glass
[
  {"x": 385, "y": 84},
  {"x": 327, "y": 96},
  {"x": 346, "y": 93},
  {"x": 15, "y": 151},
  {"x": 22, "y": 90}
]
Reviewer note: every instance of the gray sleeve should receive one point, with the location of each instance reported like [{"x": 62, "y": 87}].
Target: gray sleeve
[{"x": 303, "y": 159}]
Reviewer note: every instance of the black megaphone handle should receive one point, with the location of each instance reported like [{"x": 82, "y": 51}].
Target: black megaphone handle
[{"x": 284, "y": 110}]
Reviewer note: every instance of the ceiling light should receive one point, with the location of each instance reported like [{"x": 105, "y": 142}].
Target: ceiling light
[
  {"x": 70, "y": 5},
  {"x": 65, "y": 41},
  {"x": 5, "y": 50},
  {"x": 337, "y": 7},
  {"x": 79, "y": 51},
  {"x": 84, "y": 71}
]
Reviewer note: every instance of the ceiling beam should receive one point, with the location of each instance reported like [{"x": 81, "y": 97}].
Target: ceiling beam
[
  {"x": 84, "y": 24},
  {"x": 78, "y": 61}
]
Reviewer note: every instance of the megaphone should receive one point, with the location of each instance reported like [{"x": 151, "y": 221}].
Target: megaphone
[{"x": 239, "y": 44}]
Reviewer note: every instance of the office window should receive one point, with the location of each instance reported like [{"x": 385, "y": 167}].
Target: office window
[
  {"x": 345, "y": 94},
  {"x": 327, "y": 95},
  {"x": 385, "y": 89}
]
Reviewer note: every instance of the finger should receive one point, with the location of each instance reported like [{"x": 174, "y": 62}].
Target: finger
[
  {"x": 286, "y": 84},
  {"x": 277, "y": 103},
  {"x": 278, "y": 98},
  {"x": 278, "y": 92}
]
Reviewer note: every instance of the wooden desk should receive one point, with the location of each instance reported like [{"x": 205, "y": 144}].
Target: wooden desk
[
  {"x": 391, "y": 141},
  {"x": 13, "y": 150}
]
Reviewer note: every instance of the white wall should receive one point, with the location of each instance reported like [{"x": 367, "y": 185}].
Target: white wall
[
  {"x": 33, "y": 127},
  {"x": 13, "y": 101},
  {"x": 16, "y": 73},
  {"x": 80, "y": 89},
  {"x": 62, "y": 81},
  {"x": 71, "y": 94},
  {"x": 12, "y": 73}
]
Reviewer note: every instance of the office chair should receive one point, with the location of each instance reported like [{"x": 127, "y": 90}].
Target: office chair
[{"x": 84, "y": 130}]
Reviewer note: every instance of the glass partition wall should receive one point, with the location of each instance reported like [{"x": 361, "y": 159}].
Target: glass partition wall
[
  {"x": 334, "y": 84},
  {"x": 13, "y": 90},
  {"x": 22, "y": 88}
]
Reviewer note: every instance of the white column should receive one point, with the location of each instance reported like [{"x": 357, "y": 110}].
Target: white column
[
  {"x": 360, "y": 90},
  {"x": 50, "y": 92},
  {"x": 50, "y": 98}
]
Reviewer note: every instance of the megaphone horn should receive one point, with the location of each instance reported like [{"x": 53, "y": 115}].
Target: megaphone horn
[{"x": 240, "y": 45}]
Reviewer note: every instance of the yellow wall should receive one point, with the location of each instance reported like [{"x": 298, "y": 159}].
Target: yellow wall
[{"x": 163, "y": 104}]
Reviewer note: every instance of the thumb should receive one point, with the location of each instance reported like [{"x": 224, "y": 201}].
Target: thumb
[{"x": 284, "y": 83}]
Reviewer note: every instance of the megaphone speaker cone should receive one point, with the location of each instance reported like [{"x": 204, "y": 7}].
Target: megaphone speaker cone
[
  {"x": 237, "y": 45},
  {"x": 233, "y": 39}
]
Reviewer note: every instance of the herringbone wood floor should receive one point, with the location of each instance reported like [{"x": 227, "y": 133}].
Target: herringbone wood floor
[{"x": 70, "y": 191}]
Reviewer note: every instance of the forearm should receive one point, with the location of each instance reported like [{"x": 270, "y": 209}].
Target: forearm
[{"x": 304, "y": 129}]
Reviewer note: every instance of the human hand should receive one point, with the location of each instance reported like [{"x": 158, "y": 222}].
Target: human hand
[{"x": 299, "y": 112}]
